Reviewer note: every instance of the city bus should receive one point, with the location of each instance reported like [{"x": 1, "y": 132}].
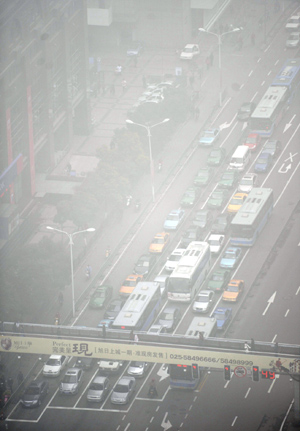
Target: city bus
[
  {"x": 251, "y": 217},
  {"x": 189, "y": 376},
  {"x": 269, "y": 110},
  {"x": 190, "y": 272},
  {"x": 141, "y": 307},
  {"x": 289, "y": 76}
]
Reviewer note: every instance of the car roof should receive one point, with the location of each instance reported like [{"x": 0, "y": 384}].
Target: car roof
[
  {"x": 215, "y": 236},
  {"x": 125, "y": 380}
]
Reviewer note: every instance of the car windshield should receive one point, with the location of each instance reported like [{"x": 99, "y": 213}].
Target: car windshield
[
  {"x": 246, "y": 182},
  {"x": 221, "y": 220},
  {"x": 220, "y": 315},
  {"x": 227, "y": 176},
  {"x": 100, "y": 294},
  {"x": 188, "y": 49},
  {"x": 208, "y": 134},
  {"x": 261, "y": 160},
  {"x": 229, "y": 255},
  {"x": 270, "y": 145},
  {"x": 175, "y": 257},
  {"x": 32, "y": 391},
  {"x": 214, "y": 242},
  {"x": 251, "y": 140},
  {"x": 189, "y": 194},
  {"x": 96, "y": 387},
  {"x": 53, "y": 362},
  {"x": 201, "y": 217},
  {"x": 217, "y": 277},
  {"x": 158, "y": 241},
  {"x": 216, "y": 195},
  {"x": 232, "y": 289},
  {"x": 173, "y": 217},
  {"x": 70, "y": 379},
  {"x": 202, "y": 298},
  {"x": 202, "y": 174},
  {"x": 143, "y": 263},
  {"x": 293, "y": 37},
  {"x": 137, "y": 364},
  {"x": 215, "y": 154},
  {"x": 245, "y": 108},
  {"x": 130, "y": 283},
  {"x": 167, "y": 316},
  {"x": 236, "y": 201},
  {"x": 121, "y": 389}
]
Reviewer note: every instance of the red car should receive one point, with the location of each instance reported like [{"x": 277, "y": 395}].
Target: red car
[{"x": 253, "y": 141}]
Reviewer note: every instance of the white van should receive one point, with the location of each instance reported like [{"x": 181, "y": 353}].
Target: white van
[
  {"x": 293, "y": 23},
  {"x": 240, "y": 158}
]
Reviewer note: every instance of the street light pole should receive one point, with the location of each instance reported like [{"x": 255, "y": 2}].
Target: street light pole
[
  {"x": 71, "y": 243},
  {"x": 148, "y": 128},
  {"x": 219, "y": 37}
]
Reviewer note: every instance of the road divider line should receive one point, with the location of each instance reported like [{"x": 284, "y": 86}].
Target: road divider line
[{"x": 234, "y": 420}]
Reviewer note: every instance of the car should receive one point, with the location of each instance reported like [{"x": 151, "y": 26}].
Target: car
[
  {"x": 231, "y": 257},
  {"x": 123, "y": 390},
  {"x": 233, "y": 290},
  {"x": 98, "y": 389},
  {"x": 113, "y": 308},
  {"x": 203, "y": 301},
  {"x": 228, "y": 179},
  {"x": 129, "y": 284},
  {"x": 293, "y": 23},
  {"x": 169, "y": 318},
  {"x": 163, "y": 280},
  {"x": 203, "y": 219},
  {"x": 101, "y": 296},
  {"x": 135, "y": 49},
  {"x": 217, "y": 198},
  {"x": 34, "y": 394},
  {"x": 245, "y": 111},
  {"x": 85, "y": 362},
  {"x": 209, "y": 136},
  {"x": 193, "y": 233},
  {"x": 71, "y": 381},
  {"x": 144, "y": 265},
  {"x": 236, "y": 202},
  {"x": 173, "y": 259},
  {"x": 189, "y": 197},
  {"x": 137, "y": 368},
  {"x": 174, "y": 219},
  {"x": 273, "y": 147},
  {"x": 105, "y": 322},
  {"x": 203, "y": 177},
  {"x": 159, "y": 242},
  {"x": 263, "y": 162},
  {"x": 190, "y": 51},
  {"x": 54, "y": 365},
  {"x": 157, "y": 329},
  {"x": 223, "y": 315},
  {"x": 216, "y": 157},
  {"x": 293, "y": 40},
  {"x": 221, "y": 224},
  {"x": 253, "y": 141},
  {"x": 109, "y": 366},
  {"x": 218, "y": 280},
  {"x": 247, "y": 183},
  {"x": 216, "y": 243}
]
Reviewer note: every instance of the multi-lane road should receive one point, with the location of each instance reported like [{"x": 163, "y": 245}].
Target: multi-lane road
[{"x": 269, "y": 268}]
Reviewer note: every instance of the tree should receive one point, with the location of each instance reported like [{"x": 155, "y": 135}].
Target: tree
[
  {"x": 31, "y": 280},
  {"x": 63, "y": 214}
]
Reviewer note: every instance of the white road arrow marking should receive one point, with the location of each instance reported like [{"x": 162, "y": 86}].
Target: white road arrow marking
[
  {"x": 164, "y": 424},
  {"x": 162, "y": 372},
  {"x": 288, "y": 167},
  {"x": 226, "y": 125},
  {"x": 288, "y": 125},
  {"x": 270, "y": 301}
]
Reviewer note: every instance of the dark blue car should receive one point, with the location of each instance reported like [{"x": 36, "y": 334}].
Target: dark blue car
[
  {"x": 223, "y": 316},
  {"x": 263, "y": 162}
]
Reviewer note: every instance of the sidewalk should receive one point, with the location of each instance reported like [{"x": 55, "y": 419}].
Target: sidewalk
[{"x": 109, "y": 113}]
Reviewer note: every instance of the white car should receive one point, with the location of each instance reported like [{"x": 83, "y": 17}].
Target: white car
[
  {"x": 54, "y": 365},
  {"x": 203, "y": 301},
  {"x": 247, "y": 183},
  {"x": 163, "y": 280},
  {"x": 190, "y": 51},
  {"x": 293, "y": 23},
  {"x": 216, "y": 242},
  {"x": 293, "y": 40},
  {"x": 174, "y": 258}
]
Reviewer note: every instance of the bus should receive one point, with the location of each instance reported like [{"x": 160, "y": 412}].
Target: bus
[
  {"x": 141, "y": 307},
  {"x": 190, "y": 272},
  {"x": 289, "y": 76},
  {"x": 251, "y": 217},
  {"x": 269, "y": 110},
  {"x": 189, "y": 376}
]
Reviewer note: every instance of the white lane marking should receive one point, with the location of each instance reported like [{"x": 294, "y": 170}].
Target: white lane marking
[
  {"x": 270, "y": 301},
  {"x": 289, "y": 180},
  {"x": 298, "y": 290},
  {"x": 126, "y": 428},
  {"x": 234, "y": 421},
  {"x": 275, "y": 336},
  {"x": 276, "y": 62},
  {"x": 258, "y": 60},
  {"x": 250, "y": 73},
  {"x": 271, "y": 387},
  {"x": 262, "y": 83},
  {"x": 255, "y": 94},
  {"x": 267, "y": 49},
  {"x": 287, "y": 312},
  {"x": 247, "y": 393},
  {"x": 270, "y": 72}
]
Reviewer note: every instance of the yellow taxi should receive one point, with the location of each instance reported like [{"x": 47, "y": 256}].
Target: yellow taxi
[
  {"x": 236, "y": 202},
  {"x": 233, "y": 290},
  {"x": 129, "y": 284},
  {"x": 159, "y": 242}
]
